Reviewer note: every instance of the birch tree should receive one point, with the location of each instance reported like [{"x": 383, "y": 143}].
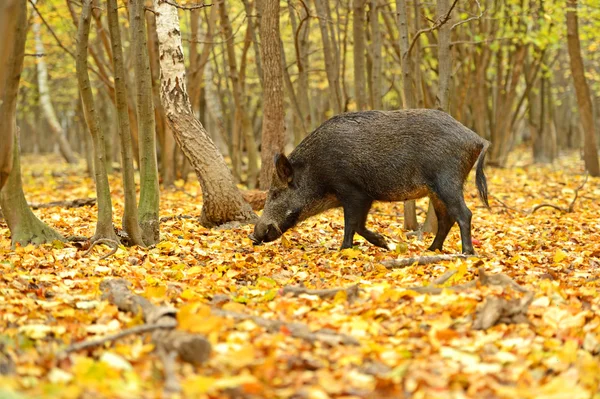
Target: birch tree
[{"x": 222, "y": 202}]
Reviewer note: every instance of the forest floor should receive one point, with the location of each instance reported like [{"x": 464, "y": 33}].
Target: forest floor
[{"x": 382, "y": 340}]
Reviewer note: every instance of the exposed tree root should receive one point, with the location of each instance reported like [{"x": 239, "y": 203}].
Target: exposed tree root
[
  {"x": 422, "y": 260},
  {"x": 76, "y": 203},
  {"x": 351, "y": 292},
  {"x": 107, "y": 241},
  {"x": 494, "y": 310}
]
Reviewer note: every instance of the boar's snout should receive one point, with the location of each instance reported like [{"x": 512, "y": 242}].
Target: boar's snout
[{"x": 265, "y": 232}]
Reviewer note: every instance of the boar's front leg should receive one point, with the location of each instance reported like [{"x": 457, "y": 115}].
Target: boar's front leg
[{"x": 355, "y": 218}]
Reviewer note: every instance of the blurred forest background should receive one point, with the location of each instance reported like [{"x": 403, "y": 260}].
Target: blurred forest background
[{"x": 500, "y": 67}]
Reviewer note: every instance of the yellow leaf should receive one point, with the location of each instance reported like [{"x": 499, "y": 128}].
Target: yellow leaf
[
  {"x": 559, "y": 255},
  {"x": 285, "y": 243},
  {"x": 351, "y": 253},
  {"x": 155, "y": 292}
]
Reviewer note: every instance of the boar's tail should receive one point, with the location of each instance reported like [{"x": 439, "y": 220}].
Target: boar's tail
[{"x": 480, "y": 179}]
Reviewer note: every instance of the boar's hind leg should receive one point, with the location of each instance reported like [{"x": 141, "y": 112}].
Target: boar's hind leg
[
  {"x": 457, "y": 209},
  {"x": 355, "y": 217},
  {"x": 445, "y": 223}
]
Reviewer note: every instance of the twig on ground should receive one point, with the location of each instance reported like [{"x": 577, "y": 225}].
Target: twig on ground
[
  {"x": 76, "y": 203},
  {"x": 144, "y": 328},
  {"x": 329, "y": 293},
  {"x": 107, "y": 241},
  {"x": 178, "y": 217},
  {"x": 494, "y": 310},
  {"x": 571, "y": 207},
  {"x": 423, "y": 260},
  {"x": 297, "y": 330}
]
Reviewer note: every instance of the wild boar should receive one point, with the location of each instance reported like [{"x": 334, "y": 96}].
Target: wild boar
[{"x": 356, "y": 158}]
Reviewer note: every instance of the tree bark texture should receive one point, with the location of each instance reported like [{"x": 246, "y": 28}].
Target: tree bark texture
[
  {"x": 377, "y": 63},
  {"x": 244, "y": 125},
  {"x": 149, "y": 190},
  {"x": 46, "y": 102},
  {"x": 130, "y": 213},
  {"x": 590, "y": 147},
  {"x": 358, "y": 33},
  {"x": 222, "y": 202},
  {"x": 329, "y": 52},
  {"x": 13, "y": 28},
  {"x": 444, "y": 58},
  {"x": 104, "y": 226},
  {"x": 273, "y": 128},
  {"x": 25, "y": 228},
  {"x": 410, "y": 208}
]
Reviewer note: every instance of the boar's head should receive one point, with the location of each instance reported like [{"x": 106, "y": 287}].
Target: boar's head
[{"x": 285, "y": 203}]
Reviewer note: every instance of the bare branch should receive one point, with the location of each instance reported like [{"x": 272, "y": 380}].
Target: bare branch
[
  {"x": 187, "y": 7},
  {"x": 423, "y": 260},
  {"x": 144, "y": 328},
  {"x": 438, "y": 24},
  {"x": 481, "y": 12}
]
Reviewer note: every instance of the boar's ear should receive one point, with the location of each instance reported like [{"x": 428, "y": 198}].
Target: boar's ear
[{"x": 284, "y": 169}]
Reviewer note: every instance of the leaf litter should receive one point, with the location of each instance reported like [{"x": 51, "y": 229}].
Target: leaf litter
[{"x": 408, "y": 339}]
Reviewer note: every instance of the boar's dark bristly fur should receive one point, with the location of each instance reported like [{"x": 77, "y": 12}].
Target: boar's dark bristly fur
[{"x": 357, "y": 158}]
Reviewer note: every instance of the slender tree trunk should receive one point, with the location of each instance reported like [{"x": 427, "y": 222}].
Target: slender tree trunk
[
  {"x": 410, "y": 208},
  {"x": 244, "y": 126},
  {"x": 104, "y": 226},
  {"x": 252, "y": 31},
  {"x": 10, "y": 15},
  {"x": 46, "y": 103},
  {"x": 358, "y": 31},
  {"x": 273, "y": 128},
  {"x": 222, "y": 202},
  {"x": 301, "y": 42},
  {"x": 590, "y": 147},
  {"x": 149, "y": 190},
  {"x": 376, "y": 64},
  {"x": 130, "y": 214},
  {"x": 443, "y": 97},
  {"x": 331, "y": 64},
  {"x": 25, "y": 227},
  {"x": 444, "y": 58}
]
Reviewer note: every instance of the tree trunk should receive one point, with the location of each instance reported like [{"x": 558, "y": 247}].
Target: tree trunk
[
  {"x": 590, "y": 148},
  {"x": 104, "y": 226},
  {"x": 13, "y": 20},
  {"x": 244, "y": 126},
  {"x": 130, "y": 215},
  {"x": 301, "y": 31},
  {"x": 25, "y": 227},
  {"x": 376, "y": 64},
  {"x": 410, "y": 208},
  {"x": 46, "y": 103},
  {"x": 149, "y": 194},
  {"x": 222, "y": 202},
  {"x": 273, "y": 128},
  {"x": 331, "y": 56},
  {"x": 358, "y": 31},
  {"x": 443, "y": 96}
]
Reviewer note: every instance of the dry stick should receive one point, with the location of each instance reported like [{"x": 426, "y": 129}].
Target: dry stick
[
  {"x": 571, "y": 205},
  {"x": 190, "y": 7},
  {"x": 423, "y": 260},
  {"x": 191, "y": 348},
  {"x": 296, "y": 330},
  {"x": 494, "y": 310},
  {"x": 106, "y": 241},
  {"x": 351, "y": 292},
  {"x": 76, "y": 203},
  {"x": 144, "y": 328}
]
